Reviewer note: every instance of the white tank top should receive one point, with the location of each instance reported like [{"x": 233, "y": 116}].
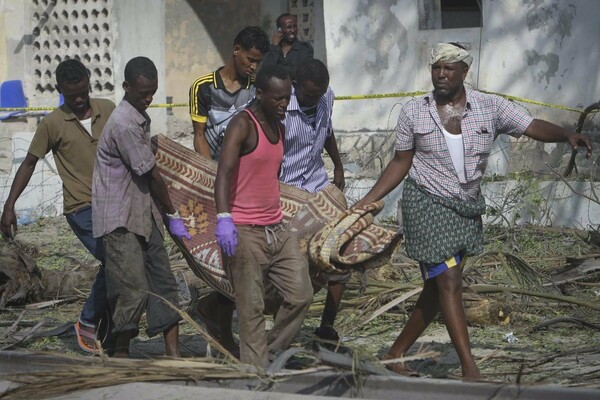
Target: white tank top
[
  {"x": 457, "y": 153},
  {"x": 87, "y": 124}
]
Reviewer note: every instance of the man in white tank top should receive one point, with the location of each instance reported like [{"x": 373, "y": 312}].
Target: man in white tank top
[{"x": 443, "y": 141}]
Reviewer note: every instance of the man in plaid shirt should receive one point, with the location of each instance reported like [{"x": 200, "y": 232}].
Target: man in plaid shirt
[
  {"x": 443, "y": 141},
  {"x": 127, "y": 189}
]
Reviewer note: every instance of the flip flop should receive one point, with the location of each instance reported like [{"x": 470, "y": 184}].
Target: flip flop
[{"x": 81, "y": 334}]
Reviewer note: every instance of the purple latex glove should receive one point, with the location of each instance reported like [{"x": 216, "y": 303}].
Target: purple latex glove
[
  {"x": 226, "y": 235},
  {"x": 177, "y": 228}
]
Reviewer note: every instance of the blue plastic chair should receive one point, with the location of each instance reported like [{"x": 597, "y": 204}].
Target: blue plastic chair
[{"x": 12, "y": 96}]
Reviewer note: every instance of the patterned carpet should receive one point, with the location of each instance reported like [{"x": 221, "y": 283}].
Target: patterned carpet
[{"x": 334, "y": 238}]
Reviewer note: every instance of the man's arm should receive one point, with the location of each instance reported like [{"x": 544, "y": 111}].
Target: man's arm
[
  {"x": 548, "y": 132},
  {"x": 235, "y": 136},
  {"x": 200, "y": 142},
  {"x": 199, "y": 100},
  {"x": 136, "y": 154},
  {"x": 391, "y": 177},
  {"x": 338, "y": 168},
  {"x": 272, "y": 57},
  {"x": 8, "y": 223},
  {"x": 158, "y": 189}
]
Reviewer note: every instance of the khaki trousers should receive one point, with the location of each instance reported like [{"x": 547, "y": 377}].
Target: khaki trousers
[{"x": 268, "y": 254}]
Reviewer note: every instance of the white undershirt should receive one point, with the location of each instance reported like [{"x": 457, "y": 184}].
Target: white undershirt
[
  {"x": 87, "y": 124},
  {"x": 457, "y": 153}
]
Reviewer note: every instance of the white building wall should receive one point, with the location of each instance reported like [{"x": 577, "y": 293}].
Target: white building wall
[
  {"x": 544, "y": 50},
  {"x": 139, "y": 30},
  {"x": 537, "y": 49}
]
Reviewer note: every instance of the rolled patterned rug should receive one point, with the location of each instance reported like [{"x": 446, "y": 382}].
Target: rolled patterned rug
[{"x": 333, "y": 238}]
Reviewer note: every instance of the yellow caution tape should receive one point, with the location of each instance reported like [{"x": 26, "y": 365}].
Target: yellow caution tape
[
  {"x": 539, "y": 103},
  {"x": 27, "y": 108},
  {"x": 413, "y": 94},
  {"x": 351, "y": 97},
  {"x": 167, "y": 105},
  {"x": 380, "y": 95}
]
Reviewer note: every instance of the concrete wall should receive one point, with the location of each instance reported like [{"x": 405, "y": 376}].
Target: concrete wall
[
  {"x": 138, "y": 28},
  {"x": 538, "y": 49},
  {"x": 13, "y": 37},
  {"x": 544, "y": 50},
  {"x": 198, "y": 39}
]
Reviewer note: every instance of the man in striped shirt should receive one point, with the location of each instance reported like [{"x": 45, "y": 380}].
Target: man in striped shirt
[
  {"x": 442, "y": 202},
  {"x": 309, "y": 130}
]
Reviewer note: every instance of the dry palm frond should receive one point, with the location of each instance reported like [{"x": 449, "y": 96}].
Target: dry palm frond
[
  {"x": 593, "y": 305},
  {"x": 390, "y": 305},
  {"x": 67, "y": 374},
  {"x": 419, "y": 356},
  {"x": 375, "y": 305},
  {"x": 518, "y": 271},
  {"x": 20, "y": 277},
  {"x": 359, "y": 362},
  {"x": 73, "y": 373}
]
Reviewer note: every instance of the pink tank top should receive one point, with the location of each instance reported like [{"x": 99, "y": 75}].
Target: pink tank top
[{"x": 254, "y": 196}]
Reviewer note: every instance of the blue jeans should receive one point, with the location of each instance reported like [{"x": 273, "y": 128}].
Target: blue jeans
[{"x": 96, "y": 305}]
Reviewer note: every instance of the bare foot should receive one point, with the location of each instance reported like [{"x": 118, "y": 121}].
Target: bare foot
[
  {"x": 471, "y": 374},
  {"x": 399, "y": 367}
]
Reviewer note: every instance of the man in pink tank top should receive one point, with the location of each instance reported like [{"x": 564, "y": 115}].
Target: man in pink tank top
[{"x": 255, "y": 244}]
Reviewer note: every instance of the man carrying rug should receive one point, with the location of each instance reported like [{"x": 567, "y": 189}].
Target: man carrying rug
[
  {"x": 126, "y": 189},
  {"x": 309, "y": 130},
  {"x": 443, "y": 141},
  {"x": 255, "y": 244}
]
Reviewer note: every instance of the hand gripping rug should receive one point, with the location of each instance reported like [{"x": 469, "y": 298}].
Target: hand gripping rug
[{"x": 334, "y": 239}]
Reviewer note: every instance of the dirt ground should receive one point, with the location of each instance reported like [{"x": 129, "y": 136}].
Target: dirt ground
[{"x": 565, "y": 352}]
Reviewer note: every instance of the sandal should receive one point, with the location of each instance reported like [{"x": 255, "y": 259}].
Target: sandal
[{"x": 84, "y": 337}]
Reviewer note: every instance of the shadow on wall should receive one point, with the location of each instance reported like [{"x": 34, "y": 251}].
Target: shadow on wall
[{"x": 223, "y": 19}]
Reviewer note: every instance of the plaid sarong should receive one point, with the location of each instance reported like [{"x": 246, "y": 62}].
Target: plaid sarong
[{"x": 436, "y": 228}]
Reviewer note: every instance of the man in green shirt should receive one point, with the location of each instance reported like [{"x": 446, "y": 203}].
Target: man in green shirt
[{"x": 71, "y": 132}]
